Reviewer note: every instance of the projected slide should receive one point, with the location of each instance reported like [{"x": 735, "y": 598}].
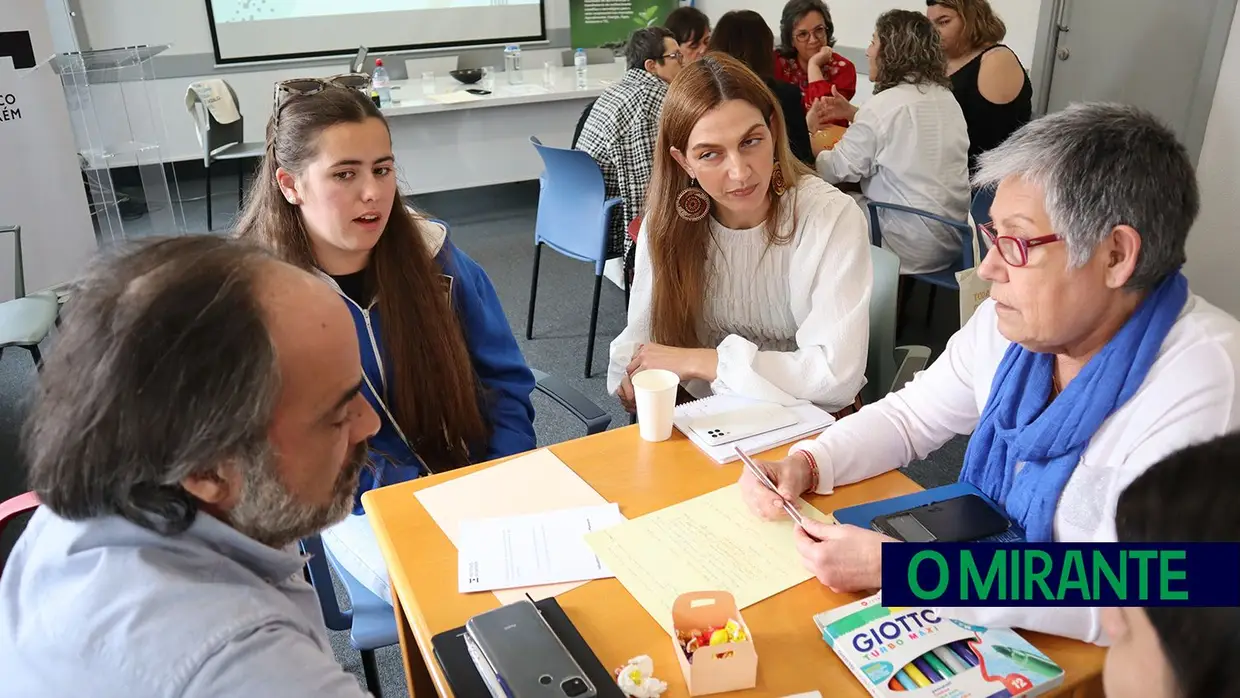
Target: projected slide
[
  {"x": 254, "y": 10},
  {"x": 255, "y": 30}
]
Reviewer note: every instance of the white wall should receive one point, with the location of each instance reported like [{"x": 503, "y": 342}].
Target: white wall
[
  {"x": 854, "y": 19},
  {"x": 1214, "y": 245},
  {"x": 183, "y": 23}
]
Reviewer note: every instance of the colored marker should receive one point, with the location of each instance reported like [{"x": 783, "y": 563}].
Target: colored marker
[
  {"x": 904, "y": 680},
  {"x": 1028, "y": 661},
  {"x": 938, "y": 665},
  {"x": 924, "y": 667},
  {"x": 950, "y": 659},
  {"x": 965, "y": 652},
  {"x": 915, "y": 674},
  {"x": 894, "y": 685}
]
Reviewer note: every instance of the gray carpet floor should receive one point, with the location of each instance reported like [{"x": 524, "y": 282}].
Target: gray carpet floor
[{"x": 495, "y": 227}]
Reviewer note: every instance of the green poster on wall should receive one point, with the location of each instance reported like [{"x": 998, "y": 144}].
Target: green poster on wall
[{"x": 608, "y": 23}]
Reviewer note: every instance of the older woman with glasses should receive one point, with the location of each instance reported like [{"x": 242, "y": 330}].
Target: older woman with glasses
[{"x": 1091, "y": 361}]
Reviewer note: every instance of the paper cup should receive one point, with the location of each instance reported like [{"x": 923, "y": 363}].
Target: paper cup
[{"x": 655, "y": 392}]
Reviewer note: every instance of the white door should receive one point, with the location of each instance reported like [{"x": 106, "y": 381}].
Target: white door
[{"x": 1159, "y": 55}]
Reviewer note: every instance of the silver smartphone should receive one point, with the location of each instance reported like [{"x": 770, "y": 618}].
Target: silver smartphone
[{"x": 526, "y": 655}]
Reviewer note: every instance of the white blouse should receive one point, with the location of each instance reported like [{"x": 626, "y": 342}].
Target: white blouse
[
  {"x": 790, "y": 322},
  {"x": 1191, "y": 394},
  {"x": 909, "y": 145}
]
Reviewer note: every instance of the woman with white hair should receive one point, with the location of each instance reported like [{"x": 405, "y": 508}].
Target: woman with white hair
[{"x": 1091, "y": 361}]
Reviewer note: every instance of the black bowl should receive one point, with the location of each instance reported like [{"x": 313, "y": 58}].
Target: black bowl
[{"x": 467, "y": 76}]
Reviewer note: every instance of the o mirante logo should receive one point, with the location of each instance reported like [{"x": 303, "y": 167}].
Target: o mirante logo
[{"x": 1061, "y": 574}]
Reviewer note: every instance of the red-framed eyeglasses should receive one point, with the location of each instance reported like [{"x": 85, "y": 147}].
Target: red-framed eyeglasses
[{"x": 1015, "y": 251}]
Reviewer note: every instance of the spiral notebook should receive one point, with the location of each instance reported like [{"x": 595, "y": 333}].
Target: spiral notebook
[{"x": 720, "y": 423}]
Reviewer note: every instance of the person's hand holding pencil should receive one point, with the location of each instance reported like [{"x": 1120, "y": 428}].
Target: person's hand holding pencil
[{"x": 791, "y": 478}]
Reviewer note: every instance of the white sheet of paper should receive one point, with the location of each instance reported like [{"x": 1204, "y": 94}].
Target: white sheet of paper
[{"x": 544, "y": 548}]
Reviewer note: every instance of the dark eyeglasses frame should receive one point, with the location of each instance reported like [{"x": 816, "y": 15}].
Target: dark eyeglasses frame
[
  {"x": 298, "y": 87},
  {"x": 677, "y": 55},
  {"x": 1022, "y": 244}
]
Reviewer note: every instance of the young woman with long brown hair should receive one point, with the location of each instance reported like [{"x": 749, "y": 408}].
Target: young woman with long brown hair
[
  {"x": 440, "y": 364},
  {"x": 752, "y": 275}
]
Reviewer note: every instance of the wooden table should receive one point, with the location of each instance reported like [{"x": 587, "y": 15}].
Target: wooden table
[{"x": 643, "y": 477}]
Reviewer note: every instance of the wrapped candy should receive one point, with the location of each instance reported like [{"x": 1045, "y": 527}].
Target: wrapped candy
[
  {"x": 691, "y": 641},
  {"x": 637, "y": 681}
]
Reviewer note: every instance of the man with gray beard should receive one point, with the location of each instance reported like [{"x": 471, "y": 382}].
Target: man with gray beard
[{"x": 200, "y": 414}]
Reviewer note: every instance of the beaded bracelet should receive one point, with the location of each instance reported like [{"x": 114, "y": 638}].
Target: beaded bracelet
[{"x": 813, "y": 471}]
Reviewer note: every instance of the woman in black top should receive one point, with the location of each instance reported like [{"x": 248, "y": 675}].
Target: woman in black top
[
  {"x": 988, "y": 79},
  {"x": 744, "y": 35}
]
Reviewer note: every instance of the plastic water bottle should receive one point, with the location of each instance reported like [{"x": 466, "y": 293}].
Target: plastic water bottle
[
  {"x": 381, "y": 84},
  {"x": 579, "y": 62},
  {"x": 512, "y": 64}
]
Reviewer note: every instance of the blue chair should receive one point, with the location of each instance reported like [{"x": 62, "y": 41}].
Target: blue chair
[
  {"x": 574, "y": 216},
  {"x": 371, "y": 620},
  {"x": 945, "y": 278},
  {"x": 888, "y": 367}
]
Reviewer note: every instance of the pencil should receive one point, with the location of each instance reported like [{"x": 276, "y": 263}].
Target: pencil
[
  {"x": 904, "y": 680},
  {"x": 962, "y": 648},
  {"x": 924, "y": 667},
  {"x": 949, "y": 658},
  {"x": 915, "y": 674},
  {"x": 938, "y": 665},
  {"x": 1028, "y": 661}
]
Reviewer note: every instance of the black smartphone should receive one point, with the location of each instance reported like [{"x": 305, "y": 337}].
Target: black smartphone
[
  {"x": 955, "y": 520},
  {"x": 478, "y": 91}
]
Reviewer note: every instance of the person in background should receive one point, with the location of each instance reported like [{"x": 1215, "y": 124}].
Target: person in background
[
  {"x": 752, "y": 275},
  {"x": 744, "y": 35},
  {"x": 441, "y": 365},
  {"x": 1167, "y": 652},
  {"x": 988, "y": 79},
  {"x": 620, "y": 131},
  {"x": 907, "y": 145},
  {"x": 691, "y": 29},
  {"x": 1091, "y": 361},
  {"x": 805, "y": 57},
  {"x": 201, "y": 413}
]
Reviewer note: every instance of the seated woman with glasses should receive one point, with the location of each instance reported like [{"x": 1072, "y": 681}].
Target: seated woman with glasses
[
  {"x": 1090, "y": 362},
  {"x": 752, "y": 275},
  {"x": 805, "y": 57},
  {"x": 440, "y": 364},
  {"x": 908, "y": 145}
]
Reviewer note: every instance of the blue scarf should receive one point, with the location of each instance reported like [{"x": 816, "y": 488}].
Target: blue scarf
[{"x": 1018, "y": 426}]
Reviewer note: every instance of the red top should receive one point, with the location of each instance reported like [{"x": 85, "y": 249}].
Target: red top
[{"x": 839, "y": 71}]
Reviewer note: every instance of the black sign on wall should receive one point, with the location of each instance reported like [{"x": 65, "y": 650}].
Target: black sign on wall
[{"x": 18, "y": 46}]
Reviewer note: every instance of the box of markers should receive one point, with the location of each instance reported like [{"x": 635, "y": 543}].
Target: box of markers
[{"x": 913, "y": 653}]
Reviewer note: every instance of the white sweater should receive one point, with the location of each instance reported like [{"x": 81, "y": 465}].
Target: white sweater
[
  {"x": 1190, "y": 395},
  {"x": 790, "y": 322},
  {"x": 909, "y": 146}
]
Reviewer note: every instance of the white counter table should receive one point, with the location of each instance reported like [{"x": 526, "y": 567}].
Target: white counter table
[{"x": 443, "y": 144}]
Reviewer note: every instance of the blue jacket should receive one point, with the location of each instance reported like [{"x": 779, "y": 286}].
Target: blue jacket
[{"x": 496, "y": 357}]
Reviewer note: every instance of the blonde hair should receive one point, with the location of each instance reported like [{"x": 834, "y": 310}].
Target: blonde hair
[
  {"x": 678, "y": 248},
  {"x": 982, "y": 27}
]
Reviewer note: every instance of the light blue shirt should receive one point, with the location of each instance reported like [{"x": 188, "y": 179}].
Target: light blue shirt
[{"x": 108, "y": 609}]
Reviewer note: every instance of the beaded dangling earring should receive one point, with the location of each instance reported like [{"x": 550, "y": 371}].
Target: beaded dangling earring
[
  {"x": 778, "y": 185},
  {"x": 692, "y": 204}
]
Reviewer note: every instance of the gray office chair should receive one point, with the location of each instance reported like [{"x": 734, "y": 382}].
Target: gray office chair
[
  {"x": 226, "y": 142},
  {"x": 888, "y": 367},
  {"x": 26, "y": 320},
  {"x": 594, "y": 56}
]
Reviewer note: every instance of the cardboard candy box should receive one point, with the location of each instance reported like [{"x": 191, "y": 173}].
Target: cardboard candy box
[{"x": 729, "y": 665}]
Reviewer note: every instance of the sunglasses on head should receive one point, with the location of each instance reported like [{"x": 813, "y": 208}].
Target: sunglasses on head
[{"x": 298, "y": 87}]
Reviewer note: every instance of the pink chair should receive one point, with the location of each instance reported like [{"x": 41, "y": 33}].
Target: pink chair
[{"x": 10, "y": 508}]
